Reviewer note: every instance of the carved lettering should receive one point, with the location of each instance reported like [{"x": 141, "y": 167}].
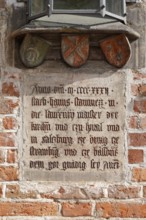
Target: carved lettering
[
  {"x": 59, "y": 89},
  {"x": 37, "y": 164},
  {"x": 57, "y": 139},
  {"x": 113, "y": 128},
  {"x": 100, "y": 90},
  {"x": 94, "y": 127},
  {"x": 53, "y": 165},
  {"x": 77, "y": 127},
  {"x": 38, "y": 101},
  {"x": 74, "y": 165},
  {"x": 99, "y": 140},
  {"x": 70, "y": 152},
  {"x": 35, "y": 114},
  {"x": 105, "y": 152},
  {"x": 112, "y": 115},
  {"x": 61, "y": 127},
  {"x": 53, "y": 152},
  {"x": 73, "y": 128},
  {"x": 44, "y": 126},
  {"x": 59, "y": 115},
  {"x": 59, "y": 102},
  {"x": 95, "y": 164},
  {"x": 111, "y": 165},
  {"x": 41, "y": 89},
  {"x": 85, "y": 152},
  {"x": 34, "y": 140},
  {"x": 89, "y": 102},
  {"x": 81, "y": 140}
]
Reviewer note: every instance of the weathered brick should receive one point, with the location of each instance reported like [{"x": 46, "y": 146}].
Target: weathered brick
[
  {"x": 133, "y": 122},
  {"x": 135, "y": 90},
  {"x": 8, "y": 173},
  {"x": 9, "y": 123},
  {"x": 74, "y": 193},
  {"x": 138, "y": 75},
  {"x": 142, "y": 123},
  {"x": 139, "y": 174},
  {"x": 2, "y": 156},
  {"x": 28, "y": 209},
  {"x": 121, "y": 210},
  {"x": 7, "y": 139},
  {"x": 76, "y": 209},
  {"x": 123, "y": 192},
  {"x": 7, "y": 106},
  {"x": 142, "y": 90},
  {"x": 139, "y": 106},
  {"x": 135, "y": 156},
  {"x": 137, "y": 139},
  {"x": 14, "y": 192},
  {"x": 10, "y": 89},
  {"x": 11, "y": 156}
]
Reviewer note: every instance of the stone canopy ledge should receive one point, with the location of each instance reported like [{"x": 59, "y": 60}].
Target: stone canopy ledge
[{"x": 65, "y": 23}]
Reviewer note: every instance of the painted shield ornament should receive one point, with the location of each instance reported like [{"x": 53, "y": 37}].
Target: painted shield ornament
[
  {"x": 75, "y": 49},
  {"x": 33, "y": 50},
  {"x": 117, "y": 50}
]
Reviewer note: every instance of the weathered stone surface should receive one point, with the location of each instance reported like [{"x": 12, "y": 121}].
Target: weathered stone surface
[{"x": 74, "y": 125}]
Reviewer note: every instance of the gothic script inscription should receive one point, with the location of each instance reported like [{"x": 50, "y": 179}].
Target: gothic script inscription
[{"x": 73, "y": 127}]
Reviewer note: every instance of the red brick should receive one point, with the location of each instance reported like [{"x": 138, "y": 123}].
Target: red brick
[
  {"x": 139, "y": 106},
  {"x": 137, "y": 139},
  {"x": 139, "y": 174},
  {"x": 135, "y": 89},
  {"x": 8, "y": 173},
  {"x": 7, "y": 139},
  {"x": 9, "y": 123},
  {"x": 2, "y": 156},
  {"x": 142, "y": 90},
  {"x": 135, "y": 156},
  {"x": 142, "y": 123},
  {"x": 133, "y": 122},
  {"x": 76, "y": 209},
  {"x": 123, "y": 192},
  {"x": 11, "y": 156},
  {"x": 121, "y": 210},
  {"x": 7, "y": 106},
  {"x": 10, "y": 89},
  {"x": 28, "y": 209},
  {"x": 14, "y": 192}
]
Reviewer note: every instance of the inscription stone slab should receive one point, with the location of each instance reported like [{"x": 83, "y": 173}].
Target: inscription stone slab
[{"x": 73, "y": 126}]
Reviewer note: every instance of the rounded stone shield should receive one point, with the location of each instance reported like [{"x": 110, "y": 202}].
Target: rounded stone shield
[
  {"x": 117, "y": 50},
  {"x": 33, "y": 50},
  {"x": 75, "y": 49}
]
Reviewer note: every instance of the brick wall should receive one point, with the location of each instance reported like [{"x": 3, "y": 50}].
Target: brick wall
[{"x": 78, "y": 201}]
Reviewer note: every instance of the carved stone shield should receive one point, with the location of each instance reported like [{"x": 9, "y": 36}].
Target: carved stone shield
[
  {"x": 117, "y": 50},
  {"x": 75, "y": 49},
  {"x": 33, "y": 50}
]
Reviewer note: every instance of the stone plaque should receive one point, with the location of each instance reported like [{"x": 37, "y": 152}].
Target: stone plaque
[{"x": 73, "y": 126}]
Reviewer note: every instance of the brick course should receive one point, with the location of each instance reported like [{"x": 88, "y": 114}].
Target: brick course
[
  {"x": 8, "y": 174},
  {"x": 135, "y": 156},
  {"x": 28, "y": 209},
  {"x": 121, "y": 210},
  {"x": 76, "y": 209}
]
